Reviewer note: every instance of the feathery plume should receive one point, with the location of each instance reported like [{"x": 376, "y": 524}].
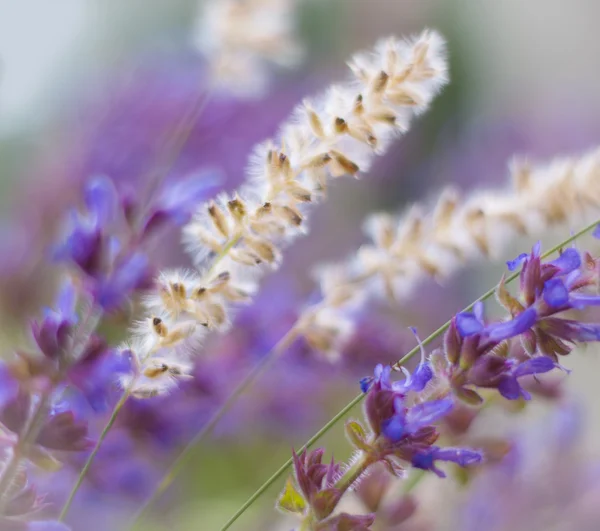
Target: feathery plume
[
  {"x": 238, "y": 237},
  {"x": 241, "y": 37},
  {"x": 421, "y": 244}
]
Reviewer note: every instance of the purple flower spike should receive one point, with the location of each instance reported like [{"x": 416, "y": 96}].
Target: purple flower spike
[
  {"x": 568, "y": 261},
  {"x": 517, "y": 326},
  {"x": 516, "y": 263},
  {"x": 556, "y": 294}
]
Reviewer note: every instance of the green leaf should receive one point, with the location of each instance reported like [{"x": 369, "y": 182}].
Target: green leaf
[
  {"x": 357, "y": 435},
  {"x": 291, "y": 500}
]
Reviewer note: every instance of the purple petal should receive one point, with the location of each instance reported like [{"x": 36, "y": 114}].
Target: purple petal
[
  {"x": 102, "y": 200},
  {"x": 468, "y": 324},
  {"x": 129, "y": 275},
  {"x": 509, "y": 388},
  {"x": 365, "y": 383},
  {"x": 66, "y": 301},
  {"x": 573, "y": 330},
  {"x": 382, "y": 376},
  {"x": 179, "y": 200},
  {"x": 596, "y": 233},
  {"x": 520, "y": 324},
  {"x": 460, "y": 456},
  {"x": 420, "y": 377},
  {"x": 568, "y": 261},
  {"x": 427, "y": 413},
  {"x": 424, "y": 460},
  {"x": 537, "y": 365},
  {"x": 556, "y": 294},
  {"x": 581, "y": 300},
  {"x": 394, "y": 428},
  {"x": 514, "y": 264}
]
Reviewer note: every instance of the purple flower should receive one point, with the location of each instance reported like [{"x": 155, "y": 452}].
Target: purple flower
[
  {"x": 407, "y": 421},
  {"x": 514, "y": 264},
  {"x": 381, "y": 378},
  {"x": 556, "y": 294},
  {"x": 177, "y": 201},
  {"x": 52, "y": 332},
  {"x": 500, "y": 331},
  {"x": 509, "y": 386},
  {"x": 569, "y": 260},
  {"x": 461, "y": 456},
  {"x": 470, "y": 323}
]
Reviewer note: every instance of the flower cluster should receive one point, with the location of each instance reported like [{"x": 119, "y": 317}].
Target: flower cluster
[
  {"x": 402, "y": 415},
  {"x": 240, "y": 38},
  {"x": 496, "y": 355},
  {"x": 238, "y": 237},
  {"x": 401, "y": 434},
  {"x": 422, "y": 244}
]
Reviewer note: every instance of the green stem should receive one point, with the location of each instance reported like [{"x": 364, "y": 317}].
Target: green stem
[
  {"x": 92, "y": 455},
  {"x": 353, "y": 473},
  {"x": 357, "y": 399},
  {"x": 184, "y": 457}
]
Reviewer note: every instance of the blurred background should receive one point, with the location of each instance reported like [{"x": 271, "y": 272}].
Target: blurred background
[{"x": 90, "y": 87}]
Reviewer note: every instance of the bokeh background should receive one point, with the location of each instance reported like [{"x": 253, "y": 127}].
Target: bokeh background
[{"x": 90, "y": 87}]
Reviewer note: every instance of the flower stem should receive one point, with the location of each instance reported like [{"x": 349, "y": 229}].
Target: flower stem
[
  {"x": 265, "y": 362},
  {"x": 357, "y": 399},
  {"x": 28, "y": 435},
  {"x": 92, "y": 455},
  {"x": 353, "y": 473}
]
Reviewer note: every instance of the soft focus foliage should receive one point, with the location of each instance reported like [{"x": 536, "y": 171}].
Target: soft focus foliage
[{"x": 168, "y": 337}]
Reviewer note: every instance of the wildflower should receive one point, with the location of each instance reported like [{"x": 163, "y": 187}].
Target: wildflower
[
  {"x": 314, "y": 494},
  {"x": 421, "y": 244},
  {"x": 61, "y": 431},
  {"x": 401, "y": 432},
  {"x": 427, "y": 460},
  {"x": 53, "y": 332},
  {"x": 237, "y": 237}
]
